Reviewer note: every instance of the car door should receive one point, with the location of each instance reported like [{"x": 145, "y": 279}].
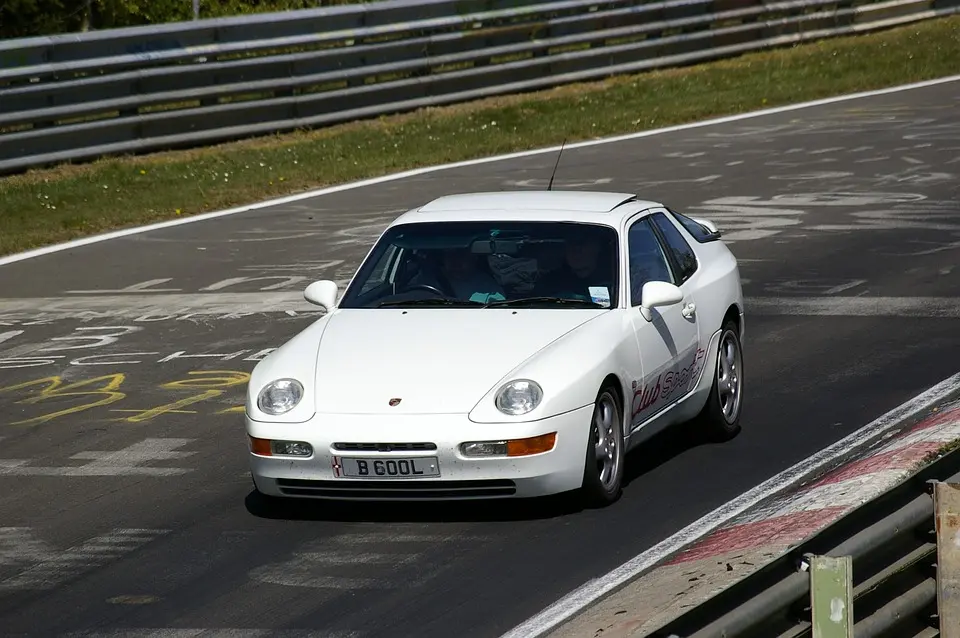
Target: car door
[
  {"x": 687, "y": 273},
  {"x": 669, "y": 342}
]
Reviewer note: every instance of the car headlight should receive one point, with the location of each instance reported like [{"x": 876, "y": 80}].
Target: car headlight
[
  {"x": 280, "y": 396},
  {"x": 519, "y": 397}
]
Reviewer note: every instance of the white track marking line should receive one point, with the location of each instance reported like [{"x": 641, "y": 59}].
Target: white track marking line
[
  {"x": 592, "y": 590},
  {"x": 46, "y": 250}
]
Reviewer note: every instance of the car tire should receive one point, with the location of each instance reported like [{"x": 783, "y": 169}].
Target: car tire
[
  {"x": 603, "y": 476},
  {"x": 719, "y": 420}
]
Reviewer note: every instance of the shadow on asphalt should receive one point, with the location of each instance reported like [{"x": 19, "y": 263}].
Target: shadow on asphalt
[
  {"x": 650, "y": 455},
  {"x": 412, "y": 512},
  {"x": 663, "y": 448}
]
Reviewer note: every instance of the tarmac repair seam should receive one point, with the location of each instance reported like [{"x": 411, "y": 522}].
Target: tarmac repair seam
[{"x": 764, "y": 533}]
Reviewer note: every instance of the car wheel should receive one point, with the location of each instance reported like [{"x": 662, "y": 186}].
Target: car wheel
[
  {"x": 603, "y": 466},
  {"x": 720, "y": 417}
]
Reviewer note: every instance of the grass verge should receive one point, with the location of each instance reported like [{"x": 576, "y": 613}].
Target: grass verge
[{"x": 48, "y": 206}]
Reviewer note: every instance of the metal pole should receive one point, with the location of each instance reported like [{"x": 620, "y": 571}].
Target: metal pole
[
  {"x": 946, "y": 509},
  {"x": 87, "y": 16},
  {"x": 196, "y": 9},
  {"x": 831, "y": 596}
]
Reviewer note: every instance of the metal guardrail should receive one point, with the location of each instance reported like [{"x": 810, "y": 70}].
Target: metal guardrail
[
  {"x": 892, "y": 543},
  {"x": 81, "y": 96}
]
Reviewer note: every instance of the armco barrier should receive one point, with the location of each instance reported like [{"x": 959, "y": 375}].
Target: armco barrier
[
  {"x": 82, "y": 96},
  {"x": 892, "y": 542}
]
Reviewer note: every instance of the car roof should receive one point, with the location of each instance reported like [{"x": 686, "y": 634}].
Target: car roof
[{"x": 580, "y": 206}]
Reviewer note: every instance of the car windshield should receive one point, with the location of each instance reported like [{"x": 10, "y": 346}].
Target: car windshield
[{"x": 491, "y": 264}]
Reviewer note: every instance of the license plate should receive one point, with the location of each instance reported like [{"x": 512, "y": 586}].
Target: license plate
[{"x": 381, "y": 468}]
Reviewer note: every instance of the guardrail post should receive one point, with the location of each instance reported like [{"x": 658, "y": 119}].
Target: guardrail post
[
  {"x": 831, "y": 596},
  {"x": 946, "y": 509}
]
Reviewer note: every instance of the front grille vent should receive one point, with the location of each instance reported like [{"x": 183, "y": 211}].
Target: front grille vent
[{"x": 416, "y": 490}]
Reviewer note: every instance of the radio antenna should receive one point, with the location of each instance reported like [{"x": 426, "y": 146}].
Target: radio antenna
[{"x": 552, "y": 175}]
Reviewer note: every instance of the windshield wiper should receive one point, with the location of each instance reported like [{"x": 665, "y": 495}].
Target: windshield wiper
[
  {"x": 582, "y": 303},
  {"x": 430, "y": 302}
]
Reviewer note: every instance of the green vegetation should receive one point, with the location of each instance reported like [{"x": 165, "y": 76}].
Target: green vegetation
[
  {"x": 941, "y": 451},
  {"x": 53, "y": 205}
]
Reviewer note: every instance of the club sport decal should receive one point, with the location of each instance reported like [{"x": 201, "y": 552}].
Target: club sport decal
[{"x": 667, "y": 385}]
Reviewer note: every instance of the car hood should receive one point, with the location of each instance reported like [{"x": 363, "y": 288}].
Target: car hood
[{"x": 436, "y": 361}]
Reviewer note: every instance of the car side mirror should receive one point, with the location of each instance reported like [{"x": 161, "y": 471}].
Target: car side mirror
[
  {"x": 658, "y": 293},
  {"x": 322, "y": 293}
]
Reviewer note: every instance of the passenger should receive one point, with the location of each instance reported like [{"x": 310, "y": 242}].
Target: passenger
[{"x": 516, "y": 275}]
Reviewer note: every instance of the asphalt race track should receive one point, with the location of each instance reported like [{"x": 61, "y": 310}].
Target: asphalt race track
[{"x": 125, "y": 501}]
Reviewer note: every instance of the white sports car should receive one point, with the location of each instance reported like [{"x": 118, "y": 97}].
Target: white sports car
[{"x": 509, "y": 344}]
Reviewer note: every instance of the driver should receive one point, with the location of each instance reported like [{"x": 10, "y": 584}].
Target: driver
[
  {"x": 467, "y": 279},
  {"x": 581, "y": 275},
  {"x": 461, "y": 276}
]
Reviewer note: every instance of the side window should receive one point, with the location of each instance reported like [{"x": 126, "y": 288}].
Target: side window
[
  {"x": 698, "y": 231},
  {"x": 683, "y": 255},
  {"x": 382, "y": 271},
  {"x": 647, "y": 261}
]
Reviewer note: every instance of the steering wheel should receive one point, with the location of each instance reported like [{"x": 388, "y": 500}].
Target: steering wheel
[{"x": 426, "y": 287}]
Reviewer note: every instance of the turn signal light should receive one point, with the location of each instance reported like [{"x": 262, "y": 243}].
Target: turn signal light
[
  {"x": 260, "y": 447},
  {"x": 534, "y": 445},
  {"x": 516, "y": 447}
]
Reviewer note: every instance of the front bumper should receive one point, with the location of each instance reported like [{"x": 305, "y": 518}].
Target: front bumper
[{"x": 420, "y": 437}]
